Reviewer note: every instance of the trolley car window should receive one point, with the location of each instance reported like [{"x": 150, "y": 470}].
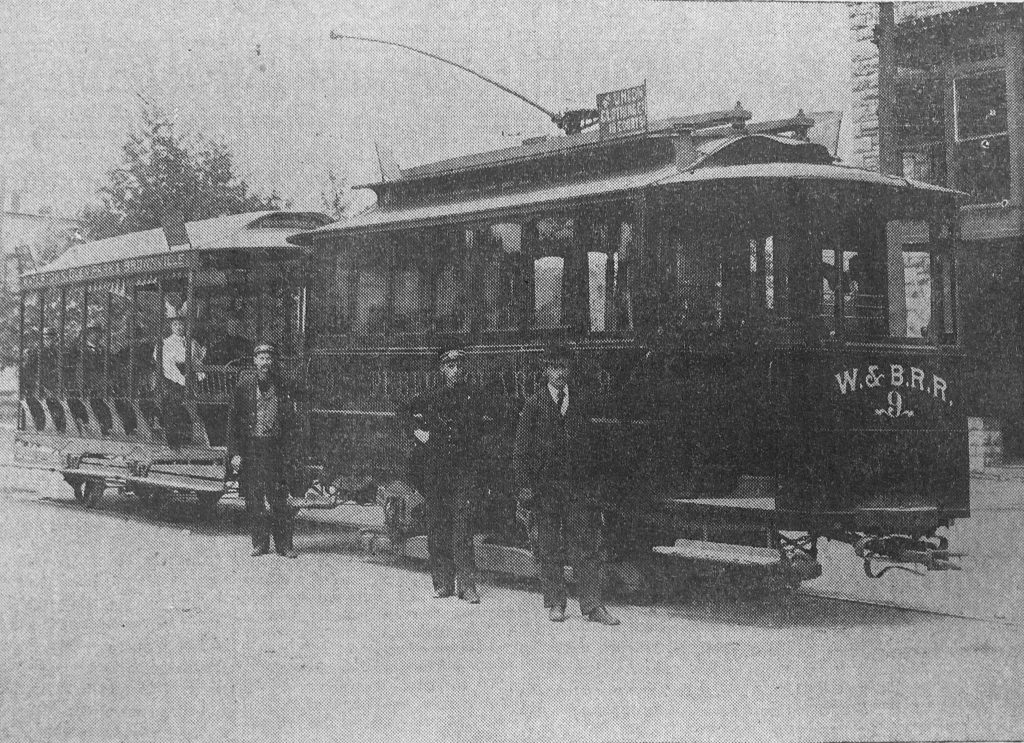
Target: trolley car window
[
  {"x": 555, "y": 242},
  {"x": 410, "y": 288},
  {"x": 608, "y": 276},
  {"x": 92, "y": 343},
  {"x": 72, "y": 331},
  {"x": 227, "y": 320},
  {"x": 698, "y": 269},
  {"x": 371, "y": 291},
  {"x": 31, "y": 345},
  {"x": 332, "y": 294},
  {"x": 121, "y": 323},
  {"x": 49, "y": 366},
  {"x": 499, "y": 250},
  {"x": 447, "y": 263},
  {"x": 928, "y": 285},
  {"x": 923, "y": 305}
]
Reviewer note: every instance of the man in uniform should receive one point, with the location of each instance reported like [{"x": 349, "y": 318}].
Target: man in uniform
[
  {"x": 550, "y": 465},
  {"x": 261, "y": 435},
  {"x": 447, "y": 423}
]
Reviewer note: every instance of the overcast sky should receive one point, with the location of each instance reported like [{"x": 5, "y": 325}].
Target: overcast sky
[{"x": 294, "y": 105}]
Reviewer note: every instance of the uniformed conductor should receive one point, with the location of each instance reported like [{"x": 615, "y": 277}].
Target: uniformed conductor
[
  {"x": 550, "y": 465},
  {"x": 447, "y": 424},
  {"x": 261, "y": 433}
]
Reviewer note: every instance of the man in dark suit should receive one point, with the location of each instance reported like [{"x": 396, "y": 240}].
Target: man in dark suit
[
  {"x": 262, "y": 432},
  {"x": 447, "y": 423},
  {"x": 550, "y": 462}
]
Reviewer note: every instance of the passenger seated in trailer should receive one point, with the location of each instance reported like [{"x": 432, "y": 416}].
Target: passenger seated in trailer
[
  {"x": 91, "y": 354},
  {"x": 41, "y": 367},
  {"x": 94, "y": 355},
  {"x": 177, "y": 423},
  {"x": 229, "y": 344},
  {"x": 144, "y": 361},
  {"x": 49, "y": 360}
]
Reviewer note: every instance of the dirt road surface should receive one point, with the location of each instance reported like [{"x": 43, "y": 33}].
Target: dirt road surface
[{"x": 124, "y": 625}]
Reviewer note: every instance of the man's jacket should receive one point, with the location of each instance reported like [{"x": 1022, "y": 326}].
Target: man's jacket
[
  {"x": 458, "y": 420},
  {"x": 548, "y": 446},
  {"x": 242, "y": 417}
]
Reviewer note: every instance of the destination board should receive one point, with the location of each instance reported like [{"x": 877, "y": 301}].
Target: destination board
[{"x": 622, "y": 111}]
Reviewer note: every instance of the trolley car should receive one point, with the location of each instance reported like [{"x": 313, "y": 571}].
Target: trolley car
[
  {"x": 772, "y": 335},
  {"x": 101, "y": 400}
]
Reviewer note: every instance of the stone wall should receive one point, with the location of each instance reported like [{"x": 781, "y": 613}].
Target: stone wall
[
  {"x": 985, "y": 440},
  {"x": 864, "y": 77},
  {"x": 864, "y": 71}
]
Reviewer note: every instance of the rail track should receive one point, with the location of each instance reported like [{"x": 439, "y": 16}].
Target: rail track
[{"x": 896, "y": 606}]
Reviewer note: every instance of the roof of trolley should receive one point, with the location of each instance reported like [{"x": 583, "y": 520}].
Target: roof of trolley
[
  {"x": 803, "y": 171},
  {"x": 750, "y": 157},
  {"x": 710, "y": 127},
  {"x": 479, "y": 207},
  {"x": 147, "y": 251}
]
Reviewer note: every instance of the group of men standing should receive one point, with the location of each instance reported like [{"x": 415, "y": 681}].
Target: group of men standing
[
  {"x": 548, "y": 463},
  {"x": 449, "y": 424}
]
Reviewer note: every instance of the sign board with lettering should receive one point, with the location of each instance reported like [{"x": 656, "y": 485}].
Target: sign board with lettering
[
  {"x": 113, "y": 271},
  {"x": 622, "y": 111}
]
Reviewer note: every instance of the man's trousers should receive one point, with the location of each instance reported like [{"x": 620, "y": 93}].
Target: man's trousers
[
  {"x": 449, "y": 494},
  {"x": 563, "y": 508},
  {"x": 263, "y": 483}
]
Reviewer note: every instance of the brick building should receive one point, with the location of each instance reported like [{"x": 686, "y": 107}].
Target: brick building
[{"x": 938, "y": 95}]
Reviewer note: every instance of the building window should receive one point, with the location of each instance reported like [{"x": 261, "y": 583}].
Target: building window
[
  {"x": 920, "y": 123},
  {"x": 919, "y": 103},
  {"x": 983, "y": 147}
]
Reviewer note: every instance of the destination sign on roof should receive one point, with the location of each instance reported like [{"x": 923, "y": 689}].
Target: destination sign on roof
[{"x": 622, "y": 111}]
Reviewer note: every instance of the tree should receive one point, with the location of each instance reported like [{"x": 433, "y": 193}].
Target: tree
[
  {"x": 163, "y": 170},
  {"x": 336, "y": 198}
]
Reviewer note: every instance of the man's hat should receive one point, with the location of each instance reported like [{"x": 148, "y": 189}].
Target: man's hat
[
  {"x": 95, "y": 326},
  {"x": 450, "y": 352},
  {"x": 264, "y": 347},
  {"x": 556, "y": 354}
]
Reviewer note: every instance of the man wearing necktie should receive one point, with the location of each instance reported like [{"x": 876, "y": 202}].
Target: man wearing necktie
[{"x": 550, "y": 465}]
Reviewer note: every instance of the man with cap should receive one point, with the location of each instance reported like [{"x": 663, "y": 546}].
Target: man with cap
[
  {"x": 447, "y": 423},
  {"x": 262, "y": 432},
  {"x": 550, "y": 465}
]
